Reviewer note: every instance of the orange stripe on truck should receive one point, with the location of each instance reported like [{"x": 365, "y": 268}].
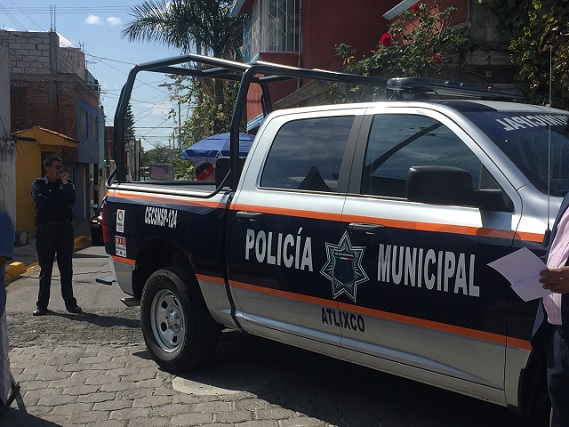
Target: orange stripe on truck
[
  {"x": 123, "y": 260},
  {"x": 148, "y": 197},
  {"x": 409, "y": 225},
  {"x": 422, "y": 323}
]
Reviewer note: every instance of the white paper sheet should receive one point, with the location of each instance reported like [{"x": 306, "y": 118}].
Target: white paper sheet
[{"x": 521, "y": 268}]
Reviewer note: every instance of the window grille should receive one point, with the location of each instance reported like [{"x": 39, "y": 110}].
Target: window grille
[{"x": 273, "y": 26}]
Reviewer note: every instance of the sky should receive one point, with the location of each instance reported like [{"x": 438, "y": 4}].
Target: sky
[{"x": 96, "y": 29}]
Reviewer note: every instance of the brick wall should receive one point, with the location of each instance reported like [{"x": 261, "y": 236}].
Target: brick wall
[
  {"x": 29, "y": 51},
  {"x": 40, "y": 53},
  {"x": 49, "y": 102},
  {"x": 71, "y": 61}
]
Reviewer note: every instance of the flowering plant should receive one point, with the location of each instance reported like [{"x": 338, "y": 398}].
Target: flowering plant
[
  {"x": 418, "y": 43},
  {"x": 386, "y": 40}
]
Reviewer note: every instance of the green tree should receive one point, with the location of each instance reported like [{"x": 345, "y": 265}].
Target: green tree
[
  {"x": 187, "y": 24},
  {"x": 539, "y": 30},
  {"x": 207, "y": 117},
  {"x": 129, "y": 134},
  {"x": 200, "y": 25},
  {"x": 160, "y": 154}
]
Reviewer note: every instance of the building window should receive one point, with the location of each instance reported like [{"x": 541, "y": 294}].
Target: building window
[
  {"x": 84, "y": 123},
  {"x": 94, "y": 127},
  {"x": 273, "y": 26}
]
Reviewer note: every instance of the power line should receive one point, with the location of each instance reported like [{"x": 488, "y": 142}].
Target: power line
[
  {"x": 11, "y": 16},
  {"x": 39, "y": 10},
  {"x": 14, "y": 12},
  {"x": 20, "y": 9},
  {"x": 155, "y": 127}
]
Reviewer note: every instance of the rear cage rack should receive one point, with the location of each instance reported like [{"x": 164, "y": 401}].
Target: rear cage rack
[{"x": 263, "y": 74}]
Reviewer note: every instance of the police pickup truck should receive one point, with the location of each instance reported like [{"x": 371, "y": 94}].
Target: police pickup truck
[{"x": 360, "y": 231}]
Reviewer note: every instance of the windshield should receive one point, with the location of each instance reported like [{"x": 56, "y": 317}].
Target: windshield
[{"x": 524, "y": 138}]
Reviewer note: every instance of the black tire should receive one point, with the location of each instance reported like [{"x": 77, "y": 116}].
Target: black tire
[{"x": 177, "y": 327}]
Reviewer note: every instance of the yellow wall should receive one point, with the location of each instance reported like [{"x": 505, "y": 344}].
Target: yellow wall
[{"x": 28, "y": 168}]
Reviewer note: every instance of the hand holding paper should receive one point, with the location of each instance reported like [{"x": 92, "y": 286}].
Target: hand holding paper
[{"x": 521, "y": 268}]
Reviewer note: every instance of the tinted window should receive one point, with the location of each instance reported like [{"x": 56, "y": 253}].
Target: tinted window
[
  {"x": 535, "y": 143},
  {"x": 307, "y": 154},
  {"x": 398, "y": 142}
]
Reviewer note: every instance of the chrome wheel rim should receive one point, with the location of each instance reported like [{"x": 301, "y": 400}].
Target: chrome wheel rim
[{"x": 168, "y": 321}]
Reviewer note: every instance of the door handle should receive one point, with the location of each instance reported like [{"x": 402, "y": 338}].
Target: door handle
[
  {"x": 249, "y": 216},
  {"x": 360, "y": 228}
]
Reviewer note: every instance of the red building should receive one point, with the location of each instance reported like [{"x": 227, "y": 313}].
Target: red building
[{"x": 304, "y": 33}]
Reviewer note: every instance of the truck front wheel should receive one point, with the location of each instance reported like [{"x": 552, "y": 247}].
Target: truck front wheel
[{"x": 177, "y": 327}]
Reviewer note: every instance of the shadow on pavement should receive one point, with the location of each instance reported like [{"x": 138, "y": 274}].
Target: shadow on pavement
[
  {"x": 77, "y": 255},
  {"x": 19, "y": 417},
  {"x": 338, "y": 392},
  {"x": 99, "y": 320},
  {"x": 143, "y": 355}
]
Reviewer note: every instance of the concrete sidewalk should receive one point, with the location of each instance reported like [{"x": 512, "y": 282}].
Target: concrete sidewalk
[{"x": 26, "y": 256}]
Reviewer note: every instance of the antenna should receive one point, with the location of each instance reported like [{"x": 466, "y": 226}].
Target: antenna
[{"x": 548, "y": 230}]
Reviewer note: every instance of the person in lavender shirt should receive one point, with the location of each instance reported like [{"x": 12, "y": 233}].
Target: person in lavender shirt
[{"x": 551, "y": 328}]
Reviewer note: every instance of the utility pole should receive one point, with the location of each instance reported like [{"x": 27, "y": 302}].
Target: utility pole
[{"x": 179, "y": 125}]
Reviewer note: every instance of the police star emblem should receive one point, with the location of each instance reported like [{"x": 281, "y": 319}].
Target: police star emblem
[{"x": 344, "y": 267}]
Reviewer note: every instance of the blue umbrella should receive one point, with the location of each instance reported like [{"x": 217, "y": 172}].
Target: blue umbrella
[{"x": 212, "y": 147}]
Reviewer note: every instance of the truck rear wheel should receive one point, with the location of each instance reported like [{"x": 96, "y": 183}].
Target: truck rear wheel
[{"x": 177, "y": 327}]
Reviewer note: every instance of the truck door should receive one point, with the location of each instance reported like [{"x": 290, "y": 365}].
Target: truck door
[
  {"x": 431, "y": 305},
  {"x": 287, "y": 206}
]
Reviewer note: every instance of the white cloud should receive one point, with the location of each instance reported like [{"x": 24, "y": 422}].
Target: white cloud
[
  {"x": 93, "y": 20},
  {"x": 111, "y": 20}
]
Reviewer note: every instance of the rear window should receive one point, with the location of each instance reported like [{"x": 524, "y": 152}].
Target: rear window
[
  {"x": 307, "y": 154},
  {"x": 535, "y": 143}
]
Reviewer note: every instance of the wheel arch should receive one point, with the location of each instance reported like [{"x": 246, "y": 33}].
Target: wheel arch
[
  {"x": 157, "y": 253},
  {"x": 178, "y": 329}
]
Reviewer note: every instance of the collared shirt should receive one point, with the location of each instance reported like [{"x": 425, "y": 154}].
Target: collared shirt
[{"x": 557, "y": 258}]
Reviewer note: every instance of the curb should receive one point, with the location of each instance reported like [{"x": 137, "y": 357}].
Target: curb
[
  {"x": 80, "y": 241},
  {"x": 16, "y": 268}
]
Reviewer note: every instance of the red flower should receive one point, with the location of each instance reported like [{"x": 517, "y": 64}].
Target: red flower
[
  {"x": 415, "y": 8},
  {"x": 437, "y": 59},
  {"x": 386, "y": 40}
]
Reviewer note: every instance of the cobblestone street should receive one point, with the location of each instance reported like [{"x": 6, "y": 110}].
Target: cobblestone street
[{"x": 94, "y": 370}]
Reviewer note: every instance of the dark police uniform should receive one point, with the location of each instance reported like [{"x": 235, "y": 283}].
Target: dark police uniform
[{"x": 54, "y": 212}]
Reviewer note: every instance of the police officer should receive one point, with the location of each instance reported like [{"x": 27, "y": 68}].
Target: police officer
[{"x": 54, "y": 195}]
